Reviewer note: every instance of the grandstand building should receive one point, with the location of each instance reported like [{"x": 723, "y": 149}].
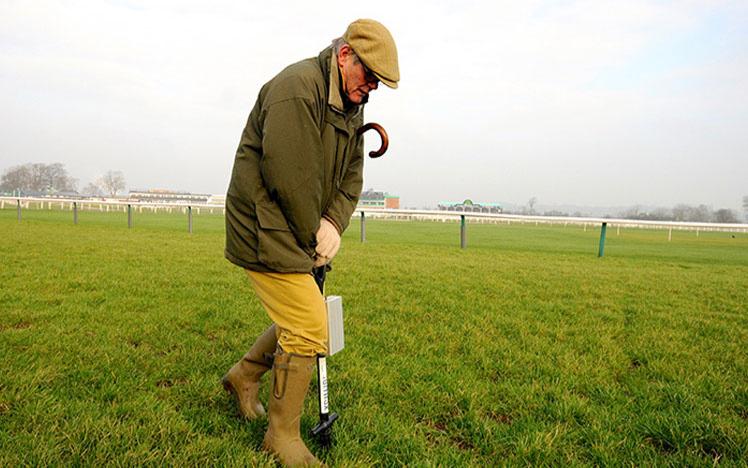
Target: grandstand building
[
  {"x": 381, "y": 200},
  {"x": 167, "y": 196},
  {"x": 219, "y": 200},
  {"x": 469, "y": 206}
]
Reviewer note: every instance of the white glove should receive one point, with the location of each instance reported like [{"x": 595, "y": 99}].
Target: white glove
[{"x": 328, "y": 242}]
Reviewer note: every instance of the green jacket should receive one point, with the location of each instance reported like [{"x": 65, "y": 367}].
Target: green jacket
[{"x": 299, "y": 158}]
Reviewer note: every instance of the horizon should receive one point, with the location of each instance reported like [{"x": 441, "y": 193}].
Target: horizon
[{"x": 507, "y": 207}]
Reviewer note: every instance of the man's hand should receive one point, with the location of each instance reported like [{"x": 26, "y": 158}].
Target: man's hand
[{"x": 328, "y": 242}]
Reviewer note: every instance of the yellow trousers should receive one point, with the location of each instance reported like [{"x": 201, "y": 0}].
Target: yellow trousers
[{"x": 293, "y": 302}]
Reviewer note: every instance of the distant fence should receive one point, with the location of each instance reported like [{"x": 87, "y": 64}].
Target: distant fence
[
  {"x": 430, "y": 215},
  {"x": 76, "y": 205},
  {"x": 464, "y": 217}
]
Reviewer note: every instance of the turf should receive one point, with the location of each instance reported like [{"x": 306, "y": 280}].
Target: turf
[{"x": 524, "y": 348}]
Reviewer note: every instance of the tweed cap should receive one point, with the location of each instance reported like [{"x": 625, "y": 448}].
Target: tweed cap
[{"x": 376, "y": 48}]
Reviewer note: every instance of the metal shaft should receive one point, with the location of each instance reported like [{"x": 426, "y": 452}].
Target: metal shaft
[
  {"x": 323, "y": 430},
  {"x": 324, "y": 397}
]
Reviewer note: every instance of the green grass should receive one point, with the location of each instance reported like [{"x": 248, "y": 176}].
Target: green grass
[{"x": 525, "y": 348}]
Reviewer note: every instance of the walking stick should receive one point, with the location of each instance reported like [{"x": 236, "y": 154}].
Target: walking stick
[
  {"x": 382, "y": 134},
  {"x": 323, "y": 430}
]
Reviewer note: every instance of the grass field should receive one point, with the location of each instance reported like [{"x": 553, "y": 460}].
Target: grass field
[{"x": 525, "y": 348}]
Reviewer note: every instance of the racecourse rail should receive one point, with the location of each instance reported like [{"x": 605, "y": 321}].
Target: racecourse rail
[{"x": 432, "y": 215}]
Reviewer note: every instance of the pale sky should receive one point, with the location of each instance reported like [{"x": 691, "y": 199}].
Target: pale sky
[{"x": 607, "y": 103}]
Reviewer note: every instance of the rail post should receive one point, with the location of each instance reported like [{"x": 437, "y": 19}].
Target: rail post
[
  {"x": 75, "y": 212},
  {"x": 189, "y": 219},
  {"x": 602, "y": 240},
  {"x": 463, "y": 233},
  {"x": 363, "y": 227},
  {"x": 19, "y": 210},
  {"x": 129, "y": 216}
]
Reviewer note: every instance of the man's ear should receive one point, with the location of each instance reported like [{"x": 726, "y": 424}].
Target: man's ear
[{"x": 343, "y": 53}]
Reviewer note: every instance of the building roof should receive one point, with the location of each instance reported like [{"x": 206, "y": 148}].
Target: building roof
[
  {"x": 371, "y": 194},
  {"x": 468, "y": 202}
]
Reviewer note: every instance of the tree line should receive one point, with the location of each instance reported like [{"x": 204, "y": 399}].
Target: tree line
[
  {"x": 681, "y": 212},
  {"x": 685, "y": 213},
  {"x": 53, "y": 179}
]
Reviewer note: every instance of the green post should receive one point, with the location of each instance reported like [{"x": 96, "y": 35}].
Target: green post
[
  {"x": 602, "y": 240},
  {"x": 363, "y": 227},
  {"x": 463, "y": 233}
]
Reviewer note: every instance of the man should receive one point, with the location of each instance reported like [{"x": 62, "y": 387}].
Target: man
[{"x": 296, "y": 180}]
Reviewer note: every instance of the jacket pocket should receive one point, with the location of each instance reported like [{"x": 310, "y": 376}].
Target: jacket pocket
[
  {"x": 276, "y": 244},
  {"x": 269, "y": 216}
]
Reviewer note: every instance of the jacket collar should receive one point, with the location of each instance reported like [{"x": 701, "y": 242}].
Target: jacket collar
[
  {"x": 334, "y": 98},
  {"x": 329, "y": 66}
]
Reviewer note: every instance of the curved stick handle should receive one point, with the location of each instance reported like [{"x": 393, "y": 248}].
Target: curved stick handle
[{"x": 382, "y": 135}]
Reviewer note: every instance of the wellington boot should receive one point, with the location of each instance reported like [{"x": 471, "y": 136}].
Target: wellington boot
[
  {"x": 291, "y": 376},
  {"x": 243, "y": 379}
]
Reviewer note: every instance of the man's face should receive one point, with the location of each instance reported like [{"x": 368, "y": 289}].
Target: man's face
[{"x": 358, "y": 81}]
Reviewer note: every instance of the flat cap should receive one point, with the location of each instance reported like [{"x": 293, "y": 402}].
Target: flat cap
[{"x": 376, "y": 48}]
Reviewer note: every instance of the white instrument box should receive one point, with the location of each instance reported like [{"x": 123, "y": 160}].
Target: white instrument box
[{"x": 335, "y": 335}]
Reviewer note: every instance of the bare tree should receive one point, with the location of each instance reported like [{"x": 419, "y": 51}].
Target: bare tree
[
  {"x": 531, "y": 204},
  {"x": 657, "y": 214},
  {"x": 661, "y": 214},
  {"x": 112, "y": 182},
  {"x": 681, "y": 212},
  {"x": 38, "y": 177},
  {"x": 92, "y": 189},
  {"x": 701, "y": 213},
  {"x": 725, "y": 216},
  {"x": 16, "y": 178},
  {"x": 632, "y": 213}
]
